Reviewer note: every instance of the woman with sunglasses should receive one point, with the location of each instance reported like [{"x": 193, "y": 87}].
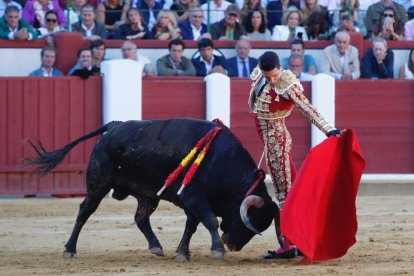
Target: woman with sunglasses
[
  {"x": 389, "y": 27},
  {"x": 34, "y": 12},
  {"x": 51, "y": 26}
]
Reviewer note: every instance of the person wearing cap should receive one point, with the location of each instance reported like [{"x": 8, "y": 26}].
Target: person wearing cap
[
  {"x": 274, "y": 93},
  {"x": 229, "y": 28}
]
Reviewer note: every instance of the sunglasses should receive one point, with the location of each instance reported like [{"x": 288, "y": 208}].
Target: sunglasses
[
  {"x": 51, "y": 20},
  {"x": 388, "y": 15}
]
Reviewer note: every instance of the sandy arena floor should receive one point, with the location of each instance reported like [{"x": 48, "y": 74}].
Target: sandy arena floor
[{"x": 33, "y": 233}]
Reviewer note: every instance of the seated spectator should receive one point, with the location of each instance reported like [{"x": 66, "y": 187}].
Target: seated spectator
[
  {"x": 34, "y": 12},
  {"x": 88, "y": 26},
  {"x": 340, "y": 60},
  {"x": 175, "y": 64},
  {"x": 51, "y": 27},
  {"x": 291, "y": 28},
  {"x": 248, "y": 6},
  {"x": 407, "y": 70},
  {"x": 47, "y": 69},
  {"x": 193, "y": 28},
  {"x": 347, "y": 23},
  {"x": 255, "y": 25},
  {"x": 84, "y": 68},
  {"x": 217, "y": 8},
  {"x": 409, "y": 30},
  {"x": 149, "y": 10},
  {"x": 241, "y": 65},
  {"x": 207, "y": 62},
  {"x": 130, "y": 51},
  {"x": 378, "y": 61},
  {"x": 112, "y": 13},
  {"x": 296, "y": 63},
  {"x": 317, "y": 27},
  {"x": 410, "y": 13},
  {"x": 390, "y": 27},
  {"x": 352, "y": 7},
  {"x": 181, "y": 9},
  {"x": 5, "y": 3},
  {"x": 275, "y": 11},
  {"x": 374, "y": 15},
  {"x": 298, "y": 47},
  {"x": 166, "y": 26},
  {"x": 14, "y": 28},
  {"x": 135, "y": 28},
  {"x": 229, "y": 28},
  {"x": 73, "y": 12},
  {"x": 98, "y": 53},
  {"x": 311, "y": 6}
]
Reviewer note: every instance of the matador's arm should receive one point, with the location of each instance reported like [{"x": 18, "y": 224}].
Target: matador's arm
[{"x": 295, "y": 93}]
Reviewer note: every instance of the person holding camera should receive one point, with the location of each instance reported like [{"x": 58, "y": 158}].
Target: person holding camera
[
  {"x": 347, "y": 23},
  {"x": 291, "y": 29},
  {"x": 389, "y": 27}
]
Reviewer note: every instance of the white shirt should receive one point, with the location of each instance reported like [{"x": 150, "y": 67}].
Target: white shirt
[
  {"x": 196, "y": 32},
  {"x": 12, "y": 31},
  {"x": 305, "y": 77},
  {"x": 216, "y": 12},
  {"x": 46, "y": 73},
  {"x": 208, "y": 65},
  {"x": 88, "y": 32}
]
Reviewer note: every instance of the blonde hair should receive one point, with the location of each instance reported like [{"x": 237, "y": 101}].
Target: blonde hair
[
  {"x": 170, "y": 16},
  {"x": 288, "y": 12}
]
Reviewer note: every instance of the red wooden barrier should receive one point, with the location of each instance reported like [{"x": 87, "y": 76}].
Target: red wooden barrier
[
  {"x": 172, "y": 97},
  {"x": 54, "y": 111},
  {"x": 58, "y": 110},
  {"x": 382, "y": 113}
]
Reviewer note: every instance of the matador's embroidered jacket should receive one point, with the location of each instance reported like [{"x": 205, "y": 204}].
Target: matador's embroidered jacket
[{"x": 272, "y": 105}]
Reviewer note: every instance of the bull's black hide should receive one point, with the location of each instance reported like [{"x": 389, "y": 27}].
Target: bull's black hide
[{"x": 136, "y": 157}]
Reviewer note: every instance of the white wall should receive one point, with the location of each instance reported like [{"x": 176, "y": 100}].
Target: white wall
[{"x": 20, "y": 62}]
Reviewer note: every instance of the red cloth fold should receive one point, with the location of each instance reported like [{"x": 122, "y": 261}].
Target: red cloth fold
[{"x": 319, "y": 215}]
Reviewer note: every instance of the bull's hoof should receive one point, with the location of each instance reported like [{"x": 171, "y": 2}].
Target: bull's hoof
[
  {"x": 68, "y": 255},
  {"x": 182, "y": 258},
  {"x": 218, "y": 254},
  {"x": 157, "y": 251}
]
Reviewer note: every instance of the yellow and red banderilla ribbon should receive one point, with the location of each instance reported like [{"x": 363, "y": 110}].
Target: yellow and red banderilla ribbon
[{"x": 203, "y": 143}]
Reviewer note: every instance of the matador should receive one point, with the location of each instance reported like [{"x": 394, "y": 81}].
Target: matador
[{"x": 274, "y": 93}]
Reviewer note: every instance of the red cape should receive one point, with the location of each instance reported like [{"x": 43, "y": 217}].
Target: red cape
[{"x": 319, "y": 215}]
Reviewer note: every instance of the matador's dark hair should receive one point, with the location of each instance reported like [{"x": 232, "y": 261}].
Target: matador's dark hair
[{"x": 268, "y": 61}]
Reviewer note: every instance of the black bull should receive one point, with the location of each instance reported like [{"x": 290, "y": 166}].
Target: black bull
[{"x": 136, "y": 157}]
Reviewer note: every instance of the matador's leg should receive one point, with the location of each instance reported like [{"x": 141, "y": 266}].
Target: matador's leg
[{"x": 278, "y": 156}]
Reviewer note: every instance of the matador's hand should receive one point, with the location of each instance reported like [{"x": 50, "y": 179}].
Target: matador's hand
[{"x": 334, "y": 132}]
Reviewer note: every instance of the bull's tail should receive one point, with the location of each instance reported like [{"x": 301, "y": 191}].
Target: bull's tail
[{"x": 47, "y": 161}]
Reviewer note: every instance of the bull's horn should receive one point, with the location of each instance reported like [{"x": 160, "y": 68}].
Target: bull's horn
[{"x": 251, "y": 200}]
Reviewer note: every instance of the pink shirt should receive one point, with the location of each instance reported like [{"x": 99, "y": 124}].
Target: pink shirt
[{"x": 409, "y": 30}]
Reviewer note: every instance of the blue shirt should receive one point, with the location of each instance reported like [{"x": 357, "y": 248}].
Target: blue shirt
[{"x": 308, "y": 60}]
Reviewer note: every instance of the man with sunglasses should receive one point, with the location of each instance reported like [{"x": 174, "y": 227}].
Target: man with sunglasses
[{"x": 373, "y": 16}]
